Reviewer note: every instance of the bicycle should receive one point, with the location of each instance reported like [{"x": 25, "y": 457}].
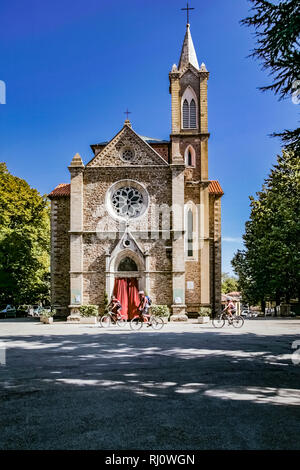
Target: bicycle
[
  {"x": 112, "y": 318},
  {"x": 139, "y": 320},
  {"x": 235, "y": 320}
]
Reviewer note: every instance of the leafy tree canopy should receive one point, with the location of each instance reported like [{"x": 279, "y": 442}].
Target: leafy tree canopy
[
  {"x": 24, "y": 241},
  {"x": 269, "y": 266},
  {"x": 229, "y": 283}
]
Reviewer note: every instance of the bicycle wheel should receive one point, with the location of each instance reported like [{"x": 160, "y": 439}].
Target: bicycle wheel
[
  {"x": 218, "y": 322},
  {"x": 157, "y": 323},
  {"x": 121, "y": 322},
  {"x": 105, "y": 321},
  {"x": 136, "y": 324},
  {"x": 237, "y": 322}
]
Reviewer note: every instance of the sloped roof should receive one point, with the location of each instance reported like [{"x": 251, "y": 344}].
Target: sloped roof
[
  {"x": 234, "y": 294},
  {"x": 154, "y": 157},
  {"x": 188, "y": 53},
  {"x": 61, "y": 190},
  {"x": 149, "y": 140},
  {"x": 215, "y": 188}
]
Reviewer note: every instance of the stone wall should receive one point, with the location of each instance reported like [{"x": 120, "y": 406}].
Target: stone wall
[
  {"x": 60, "y": 254},
  {"x": 98, "y": 180},
  {"x": 215, "y": 251},
  {"x": 163, "y": 150}
]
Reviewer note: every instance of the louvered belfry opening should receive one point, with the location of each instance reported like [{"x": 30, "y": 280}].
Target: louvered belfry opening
[
  {"x": 193, "y": 114},
  {"x": 185, "y": 114},
  {"x": 189, "y": 120}
]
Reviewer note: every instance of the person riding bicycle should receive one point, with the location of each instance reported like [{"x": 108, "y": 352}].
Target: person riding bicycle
[
  {"x": 230, "y": 308},
  {"x": 143, "y": 307},
  {"x": 115, "y": 305}
]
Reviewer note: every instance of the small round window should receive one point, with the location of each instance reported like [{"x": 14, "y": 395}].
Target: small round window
[{"x": 127, "y": 155}]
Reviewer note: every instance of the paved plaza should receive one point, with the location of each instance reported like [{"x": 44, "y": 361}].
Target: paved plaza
[{"x": 188, "y": 386}]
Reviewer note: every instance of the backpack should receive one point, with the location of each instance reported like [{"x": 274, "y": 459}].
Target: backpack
[{"x": 149, "y": 300}]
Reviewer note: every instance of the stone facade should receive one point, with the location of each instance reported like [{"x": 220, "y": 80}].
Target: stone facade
[
  {"x": 60, "y": 253},
  {"x": 173, "y": 235}
]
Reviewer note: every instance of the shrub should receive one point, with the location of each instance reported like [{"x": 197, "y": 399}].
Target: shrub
[
  {"x": 205, "y": 312},
  {"x": 47, "y": 313},
  {"x": 88, "y": 310},
  {"x": 160, "y": 310}
]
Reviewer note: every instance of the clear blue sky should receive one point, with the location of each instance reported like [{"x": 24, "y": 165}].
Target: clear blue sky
[{"x": 72, "y": 67}]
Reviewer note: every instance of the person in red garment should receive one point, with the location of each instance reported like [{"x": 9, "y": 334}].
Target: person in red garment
[{"x": 143, "y": 307}]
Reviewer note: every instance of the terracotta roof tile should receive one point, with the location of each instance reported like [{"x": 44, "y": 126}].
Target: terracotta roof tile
[
  {"x": 215, "y": 188},
  {"x": 61, "y": 190}
]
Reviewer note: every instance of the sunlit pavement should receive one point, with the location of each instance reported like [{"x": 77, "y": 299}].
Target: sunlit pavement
[{"x": 188, "y": 386}]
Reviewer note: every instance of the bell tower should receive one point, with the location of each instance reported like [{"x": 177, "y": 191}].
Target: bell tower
[
  {"x": 189, "y": 163},
  {"x": 188, "y": 88}
]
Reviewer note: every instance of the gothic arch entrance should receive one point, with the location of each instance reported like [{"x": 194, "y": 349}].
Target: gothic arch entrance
[
  {"x": 127, "y": 272},
  {"x": 126, "y": 285}
]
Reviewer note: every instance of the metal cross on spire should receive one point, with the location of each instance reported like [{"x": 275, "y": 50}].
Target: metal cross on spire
[
  {"x": 187, "y": 12},
  {"x": 127, "y": 112}
]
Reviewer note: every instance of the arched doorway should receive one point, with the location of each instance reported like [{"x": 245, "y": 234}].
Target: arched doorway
[{"x": 126, "y": 286}]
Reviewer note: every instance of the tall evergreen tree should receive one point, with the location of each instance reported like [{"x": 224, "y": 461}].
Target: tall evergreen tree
[
  {"x": 277, "y": 30},
  {"x": 269, "y": 266}
]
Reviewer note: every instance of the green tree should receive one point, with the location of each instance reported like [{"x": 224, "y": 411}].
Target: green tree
[
  {"x": 24, "y": 241},
  {"x": 269, "y": 266},
  {"x": 229, "y": 283},
  {"x": 277, "y": 30}
]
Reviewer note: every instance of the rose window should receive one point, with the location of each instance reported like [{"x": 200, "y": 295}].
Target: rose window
[
  {"x": 127, "y": 155},
  {"x": 128, "y": 202}
]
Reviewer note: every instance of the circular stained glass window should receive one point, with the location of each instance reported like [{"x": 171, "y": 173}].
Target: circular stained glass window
[
  {"x": 127, "y": 155},
  {"x": 127, "y": 202}
]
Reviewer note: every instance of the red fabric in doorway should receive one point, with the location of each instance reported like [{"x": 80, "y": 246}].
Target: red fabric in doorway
[
  {"x": 133, "y": 297},
  {"x": 121, "y": 292}
]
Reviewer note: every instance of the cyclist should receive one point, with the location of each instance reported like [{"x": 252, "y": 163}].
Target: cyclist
[
  {"x": 115, "y": 305},
  {"x": 143, "y": 307},
  {"x": 230, "y": 309}
]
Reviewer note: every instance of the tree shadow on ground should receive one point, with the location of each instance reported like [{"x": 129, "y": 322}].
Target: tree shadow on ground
[{"x": 171, "y": 390}]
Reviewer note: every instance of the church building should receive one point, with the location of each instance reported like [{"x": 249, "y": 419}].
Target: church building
[{"x": 142, "y": 214}]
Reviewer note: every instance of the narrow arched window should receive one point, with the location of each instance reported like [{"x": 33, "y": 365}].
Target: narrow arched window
[
  {"x": 190, "y": 156},
  {"x": 189, "y": 109},
  {"x": 193, "y": 114},
  {"x": 190, "y": 233},
  {"x": 185, "y": 114}
]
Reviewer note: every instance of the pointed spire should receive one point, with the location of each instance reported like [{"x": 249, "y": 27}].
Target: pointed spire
[
  {"x": 77, "y": 161},
  {"x": 188, "y": 54}
]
